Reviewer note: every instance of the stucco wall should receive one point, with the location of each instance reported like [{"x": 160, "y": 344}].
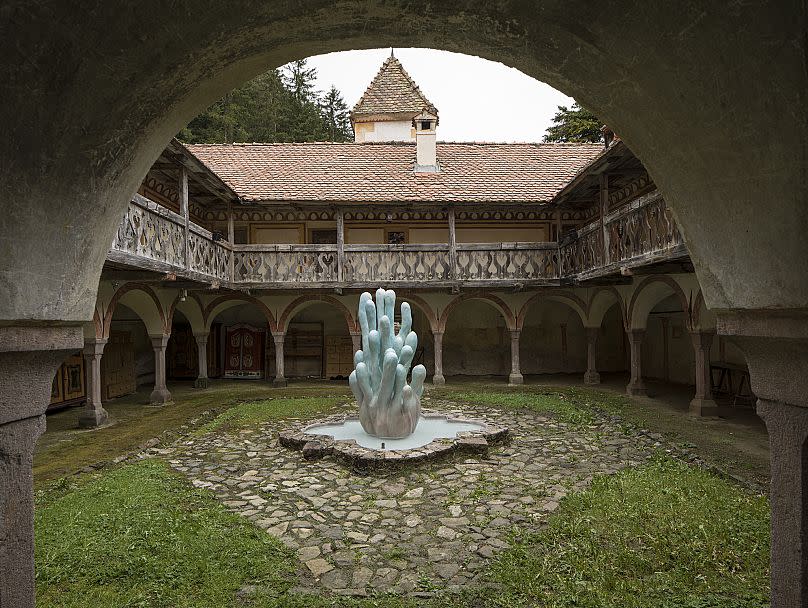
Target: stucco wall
[
  {"x": 476, "y": 341},
  {"x": 392, "y": 130}
]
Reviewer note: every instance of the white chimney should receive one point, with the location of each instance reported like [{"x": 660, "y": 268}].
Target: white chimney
[{"x": 426, "y": 156}]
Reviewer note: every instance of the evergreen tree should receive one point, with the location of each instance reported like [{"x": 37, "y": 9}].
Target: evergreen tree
[
  {"x": 277, "y": 106},
  {"x": 335, "y": 116},
  {"x": 575, "y": 124},
  {"x": 299, "y": 78}
]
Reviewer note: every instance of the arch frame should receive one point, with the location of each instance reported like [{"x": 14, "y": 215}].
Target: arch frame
[
  {"x": 562, "y": 297},
  {"x": 493, "y": 300},
  {"x": 633, "y": 323},
  {"x": 118, "y": 296}
]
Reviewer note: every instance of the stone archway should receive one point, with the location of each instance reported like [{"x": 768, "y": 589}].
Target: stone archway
[{"x": 657, "y": 73}]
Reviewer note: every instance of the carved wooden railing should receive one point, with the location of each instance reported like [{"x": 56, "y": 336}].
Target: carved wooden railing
[
  {"x": 644, "y": 227},
  {"x": 643, "y": 231},
  {"x": 299, "y": 264},
  {"x": 506, "y": 261},
  {"x": 414, "y": 265},
  {"x": 153, "y": 237}
]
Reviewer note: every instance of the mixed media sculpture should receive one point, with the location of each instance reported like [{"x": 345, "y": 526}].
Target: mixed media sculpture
[{"x": 389, "y": 407}]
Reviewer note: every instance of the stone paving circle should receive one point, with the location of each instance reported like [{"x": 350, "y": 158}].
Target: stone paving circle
[{"x": 420, "y": 529}]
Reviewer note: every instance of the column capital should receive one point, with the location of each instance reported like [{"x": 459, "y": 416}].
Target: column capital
[
  {"x": 279, "y": 337},
  {"x": 159, "y": 341},
  {"x": 592, "y": 333},
  {"x": 94, "y": 347},
  {"x": 636, "y": 334},
  {"x": 515, "y": 333},
  {"x": 201, "y": 339}
]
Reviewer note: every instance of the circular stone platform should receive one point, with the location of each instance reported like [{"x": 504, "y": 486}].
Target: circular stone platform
[{"x": 367, "y": 453}]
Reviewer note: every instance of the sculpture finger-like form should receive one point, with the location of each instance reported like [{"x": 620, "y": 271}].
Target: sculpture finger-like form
[{"x": 388, "y": 406}]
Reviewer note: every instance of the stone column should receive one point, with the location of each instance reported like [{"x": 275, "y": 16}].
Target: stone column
[
  {"x": 280, "y": 380},
  {"x": 592, "y": 376},
  {"x": 702, "y": 403},
  {"x": 160, "y": 394},
  {"x": 356, "y": 339},
  {"x": 636, "y": 386},
  {"x": 29, "y": 358},
  {"x": 94, "y": 413},
  {"x": 202, "y": 346},
  {"x": 437, "y": 378},
  {"x": 516, "y": 374},
  {"x": 775, "y": 344}
]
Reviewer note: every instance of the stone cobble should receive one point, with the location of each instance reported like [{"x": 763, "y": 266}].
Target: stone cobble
[{"x": 430, "y": 527}]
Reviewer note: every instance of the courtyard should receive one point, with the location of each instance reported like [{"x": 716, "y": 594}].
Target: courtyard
[{"x": 596, "y": 499}]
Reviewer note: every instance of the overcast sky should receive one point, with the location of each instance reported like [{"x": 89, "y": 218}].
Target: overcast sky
[{"x": 477, "y": 99}]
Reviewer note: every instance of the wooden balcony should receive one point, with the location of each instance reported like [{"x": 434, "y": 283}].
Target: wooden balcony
[{"x": 153, "y": 238}]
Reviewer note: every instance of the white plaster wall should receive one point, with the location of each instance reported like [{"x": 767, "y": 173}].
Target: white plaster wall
[{"x": 389, "y": 130}]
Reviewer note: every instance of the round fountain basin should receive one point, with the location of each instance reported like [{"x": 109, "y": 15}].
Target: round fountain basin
[{"x": 428, "y": 429}]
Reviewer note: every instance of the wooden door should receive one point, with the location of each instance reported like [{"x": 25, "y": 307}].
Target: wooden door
[
  {"x": 182, "y": 355},
  {"x": 244, "y": 352},
  {"x": 118, "y": 366}
]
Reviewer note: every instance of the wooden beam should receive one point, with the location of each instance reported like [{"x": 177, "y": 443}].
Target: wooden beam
[
  {"x": 183, "y": 200},
  {"x": 340, "y": 244},
  {"x": 604, "y": 211},
  {"x": 452, "y": 243}
]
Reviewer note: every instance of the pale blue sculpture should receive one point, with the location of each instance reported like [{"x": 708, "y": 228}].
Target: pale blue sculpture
[{"x": 388, "y": 407}]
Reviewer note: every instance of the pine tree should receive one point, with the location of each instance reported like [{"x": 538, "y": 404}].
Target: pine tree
[
  {"x": 299, "y": 78},
  {"x": 335, "y": 116},
  {"x": 575, "y": 124}
]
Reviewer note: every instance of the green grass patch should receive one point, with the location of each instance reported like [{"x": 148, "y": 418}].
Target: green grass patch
[
  {"x": 245, "y": 415},
  {"x": 141, "y": 536},
  {"x": 664, "y": 535},
  {"x": 571, "y": 405}
]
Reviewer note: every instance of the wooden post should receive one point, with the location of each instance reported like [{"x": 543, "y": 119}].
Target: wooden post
[
  {"x": 340, "y": 245},
  {"x": 558, "y": 226},
  {"x": 604, "y": 211},
  {"x": 452, "y": 243},
  {"x": 231, "y": 236},
  {"x": 183, "y": 187}
]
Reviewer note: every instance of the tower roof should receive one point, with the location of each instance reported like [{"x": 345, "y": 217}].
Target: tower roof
[{"x": 392, "y": 92}]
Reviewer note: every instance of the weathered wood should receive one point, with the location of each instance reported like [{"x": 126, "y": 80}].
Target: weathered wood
[
  {"x": 452, "y": 243},
  {"x": 183, "y": 199},
  {"x": 340, "y": 245},
  {"x": 604, "y": 210}
]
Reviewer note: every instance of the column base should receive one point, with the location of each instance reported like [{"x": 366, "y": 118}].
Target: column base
[
  {"x": 636, "y": 390},
  {"x": 591, "y": 378},
  {"x": 201, "y": 383},
  {"x": 703, "y": 407},
  {"x": 160, "y": 396},
  {"x": 92, "y": 418},
  {"x": 279, "y": 383},
  {"x": 516, "y": 379},
  {"x": 438, "y": 380}
]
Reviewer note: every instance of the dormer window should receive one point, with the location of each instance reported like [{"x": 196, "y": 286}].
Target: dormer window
[{"x": 425, "y": 125}]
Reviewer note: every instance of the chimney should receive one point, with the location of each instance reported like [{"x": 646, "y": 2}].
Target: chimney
[{"x": 426, "y": 160}]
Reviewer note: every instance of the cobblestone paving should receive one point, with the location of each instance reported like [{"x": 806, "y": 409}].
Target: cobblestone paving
[{"x": 430, "y": 527}]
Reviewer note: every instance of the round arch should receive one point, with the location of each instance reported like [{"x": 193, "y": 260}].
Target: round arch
[
  {"x": 420, "y": 304},
  {"x": 701, "y": 318},
  {"x": 304, "y": 302},
  {"x": 142, "y": 300},
  {"x": 507, "y": 314},
  {"x": 648, "y": 294},
  {"x": 569, "y": 299},
  {"x": 222, "y": 303},
  {"x": 601, "y": 300},
  {"x": 193, "y": 312}
]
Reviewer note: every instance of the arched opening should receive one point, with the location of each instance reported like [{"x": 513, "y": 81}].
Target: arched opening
[
  {"x": 422, "y": 326},
  {"x": 612, "y": 348},
  {"x": 182, "y": 352},
  {"x": 476, "y": 340},
  {"x": 239, "y": 342},
  {"x": 667, "y": 349},
  {"x": 552, "y": 340},
  {"x": 69, "y": 386},
  {"x": 128, "y": 363},
  {"x": 318, "y": 344}
]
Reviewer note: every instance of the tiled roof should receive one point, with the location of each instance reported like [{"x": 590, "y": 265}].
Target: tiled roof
[
  {"x": 383, "y": 172},
  {"x": 392, "y": 91}
]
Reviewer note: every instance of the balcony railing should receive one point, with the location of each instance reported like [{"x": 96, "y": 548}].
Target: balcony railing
[
  {"x": 640, "y": 233},
  {"x": 154, "y": 238}
]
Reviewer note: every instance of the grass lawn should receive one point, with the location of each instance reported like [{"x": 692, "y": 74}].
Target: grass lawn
[{"x": 664, "y": 535}]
